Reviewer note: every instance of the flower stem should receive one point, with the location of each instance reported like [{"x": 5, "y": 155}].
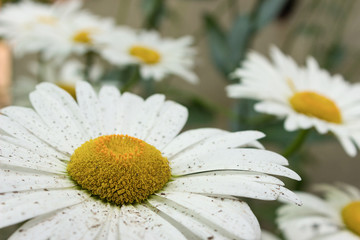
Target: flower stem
[
  {"x": 296, "y": 144},
  {"x": 89, "y": 62},
  {"x": 135, "y": 77}
]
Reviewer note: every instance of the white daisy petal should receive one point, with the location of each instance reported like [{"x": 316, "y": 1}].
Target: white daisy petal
[
  {"x": 139, "y": 222},
  {"x": 129, "y": 106},
  {"x": 235, "y": 216},
  {"x": 32, "y": 121},
  {"x": 172, "y": 118},
  {"x": 234, "y": 159},
  {"x": 218, "y": 142},
  {"x": 110, "y": 228},
  {"x": 60, "y": 224},
  {"x": 187, "y": 218},
  {"x": 35, "y": 203},
  {"x": 90, "y": 106},
  {"x": 54, "y": 115},
  {"x": 333, "y": 217},
  {"x": 339, "y": 235},
  {"x": 19, "y": 181},
  {"x": 25, "y": 138},
  {"x": 188, "y": 138},
  {"x": 72, "y": 108},
  {"x": 17, "y": 156},
  {"x": 347, "y": 144},
  {"x": 109, "y": 98},
  {"x": 252, "y": 186},
  {"x": 149, "y": 111}
]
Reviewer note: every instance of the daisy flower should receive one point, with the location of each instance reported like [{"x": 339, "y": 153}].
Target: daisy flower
[
  {"x": 31, "y": 27},
  {"x": 114, "y": 166},
  {"x": 158, "y": 57},
  {"x": 334, "y": 217},
  {"x": 306, "y": 97},
  {"x": 78, "y": 34}
]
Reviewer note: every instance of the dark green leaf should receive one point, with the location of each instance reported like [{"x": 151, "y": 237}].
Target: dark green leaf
[
  {"x": 238, "y": 39},
  {"x": 268, "y": 10},
  {"x": 218, "y": 44}
]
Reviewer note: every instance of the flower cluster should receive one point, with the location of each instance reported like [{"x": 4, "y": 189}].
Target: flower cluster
[{"x": 63, "y": 29}]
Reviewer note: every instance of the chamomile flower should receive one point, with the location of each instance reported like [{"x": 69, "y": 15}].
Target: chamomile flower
[
  {"x": 31, "y": 27},
  {"x": 334, "y": 217},
  {"x": 158, "y": 57},
  {"x": 305, "y": 97},
  {"x": 114, "y": 166},
  {"x": 79, "y": 32}
]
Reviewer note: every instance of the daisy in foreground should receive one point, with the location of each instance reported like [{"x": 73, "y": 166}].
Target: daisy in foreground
[
  {"x": 114, "y": 167},
  {"x": 335, "y": 217},
  {"x": 306, "y": 97}
]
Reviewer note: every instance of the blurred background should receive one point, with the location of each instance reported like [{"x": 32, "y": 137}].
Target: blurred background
[{"x": 224, "y": 30}]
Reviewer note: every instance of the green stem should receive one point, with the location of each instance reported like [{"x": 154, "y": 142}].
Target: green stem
[
  {"x": 296, "y": 144},
  {"x": 149, "y": 87},
  {"x": 135, "y": 77},
  {"x": 89, "y": 62}
]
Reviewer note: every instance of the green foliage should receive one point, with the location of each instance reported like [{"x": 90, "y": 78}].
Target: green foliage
[
  {"x": 228, "y": 47},
  {"x": 267, "y": 11},
  {"x": 153, "y": 12}
]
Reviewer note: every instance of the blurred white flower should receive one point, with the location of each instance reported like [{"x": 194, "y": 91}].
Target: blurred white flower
[
  {"x": 336, "y": 217},
  {"x": 305, "y": 97},
  {"x": 78, "y": 33},
  {"x": 158, "y": 57},
  {"x": 154, "y": 182},
  {"x": 265, "y": 235},
  {"x": 31, "y": 27}
]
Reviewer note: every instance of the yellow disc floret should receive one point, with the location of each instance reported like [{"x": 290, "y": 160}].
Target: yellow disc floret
[
  {"x": 83, "y": 36},
  {"x": 48, "y": 20},
  {"x": 351, "y": 216},
  {"x": 119, "y": 168},
  {"x": 316, "y": 105},
  {"x": 146, "y": 55}
]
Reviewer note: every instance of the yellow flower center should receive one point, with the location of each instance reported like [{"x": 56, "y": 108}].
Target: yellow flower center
[
  {"x": 119, "y": 168},
  {"x": 83, "y": 36},
  {"x": 146, "y": 55},
  {"x": 316, "y": 105},
  {"x": 351, "y": 216},
  {"x": 47, "y": 20},
  {"x": 70, "y": 88}
]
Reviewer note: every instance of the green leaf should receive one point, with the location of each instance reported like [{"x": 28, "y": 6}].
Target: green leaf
[
  {"x": 154, "y": 11},
  {"x": 334, "y": 56},
  {"x": 268, "y": 10},
  {"x": 238, "y": 39},
  {"x": 218, "y": 44}
]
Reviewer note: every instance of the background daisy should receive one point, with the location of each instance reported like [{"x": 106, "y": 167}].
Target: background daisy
[
  {"x": 158, "y": 57},
  {"x": 334, "y": 217},
  {"x": 195, "y": 178},
  {"x": 32, "y": 27},
  {"x": 306, "y": 97}
]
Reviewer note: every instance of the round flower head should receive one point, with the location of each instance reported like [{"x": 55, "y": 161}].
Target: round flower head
[
  {"x": 305, "y": 97},
  {"x": 112, "y": 166},
  {"x": 158, "y": 57},
  {"x": 78, "y": 34},
  {"x": 337, "y": 216},
  {"x": 31, "y": 27}
]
